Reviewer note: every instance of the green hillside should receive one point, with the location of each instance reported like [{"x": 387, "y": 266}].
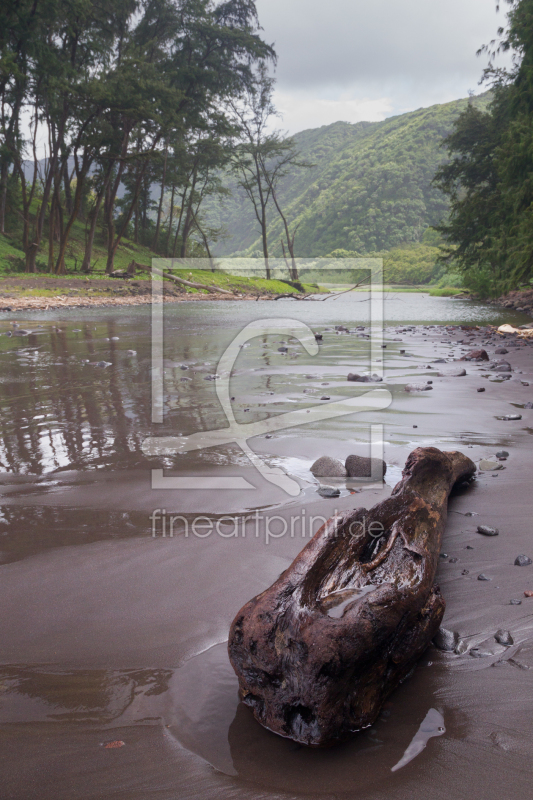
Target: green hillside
[{"x": 369, "y": 191}]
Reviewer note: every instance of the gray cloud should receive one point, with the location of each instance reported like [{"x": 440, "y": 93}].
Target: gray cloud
[{"x": 411, "y": 53}]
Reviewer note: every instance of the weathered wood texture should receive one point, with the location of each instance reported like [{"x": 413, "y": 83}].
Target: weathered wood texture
[{"x": 318, "y": 652}]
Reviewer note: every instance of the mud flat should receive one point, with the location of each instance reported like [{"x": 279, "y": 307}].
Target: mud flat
[{"x": 115, "y": 680}]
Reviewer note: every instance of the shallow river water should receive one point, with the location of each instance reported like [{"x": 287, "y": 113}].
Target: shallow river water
[{"x": 114, "y": 624}]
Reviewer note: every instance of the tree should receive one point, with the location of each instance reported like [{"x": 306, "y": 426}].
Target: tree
[
  {"x": 489, "y": 179},
  {"x": 262, "y": 158}
]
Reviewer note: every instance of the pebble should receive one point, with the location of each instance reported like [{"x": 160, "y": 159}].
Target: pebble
[
  {"x": 103, "y": 364},
  {"x": 528, "y": 593},
  {"x": 132, "y": 352},
  {"x": 482, "y": 577},
  {"x": 325, "y": 397},
  {"x": 487, "y": 531},
  {"x": 502, "y": 454},
  {"x": 477, "y": 652},
  {"x": 487, "y": 465},
  {"x": 183, "y": 366},
  {"x": 515, "y": 602},
  {"x": 446, "y": 640},
  {"x": 418, "y": 387},
  {"x": 522, "y": 561},
  {"x": 456, "y": 373},
  {"x": 501, "y": 351},
  {"x": 444, "y": 555},
  {"x": 504, "y": 637},
  {"x": 328, "y": 491},
  {"x": 482, "y": 389},
  {"x": 453, "y": 560},
  {"x": 465, "y": 572},
  {"x": 510, "y": 417}
]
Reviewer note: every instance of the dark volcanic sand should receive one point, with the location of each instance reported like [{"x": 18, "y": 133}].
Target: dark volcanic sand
[{"x": 108, "y": 634}]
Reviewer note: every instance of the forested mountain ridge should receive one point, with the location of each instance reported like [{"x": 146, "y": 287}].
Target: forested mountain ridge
[{"x": 369, "y": 189}]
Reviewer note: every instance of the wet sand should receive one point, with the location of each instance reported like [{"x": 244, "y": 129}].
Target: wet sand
[{"x": 110, "y": 634}]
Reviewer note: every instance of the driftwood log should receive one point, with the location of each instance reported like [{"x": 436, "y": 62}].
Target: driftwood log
[{"x": 318, "y": 652}]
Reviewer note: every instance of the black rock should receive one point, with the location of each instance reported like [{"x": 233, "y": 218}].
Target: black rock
[
  {"x": 361, "y": 467},
  {"x": 487, "y": 531},
  {"x": 446, "y": 640},
  {"x": 522, "y": 561},
  {"x": 481, "y": 390},
  {"x": 283, "y": 349},
  {"x": 483, "y": 577},
  {"x": 502, "y": 454},
  {"x": 465, "y": 572},
  {"x": 328, "y": 491},
  {"x": 504, "y": 637}
]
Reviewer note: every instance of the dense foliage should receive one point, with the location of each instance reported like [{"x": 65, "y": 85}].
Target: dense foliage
[
  {"x": 124, "y": 95},
  {"x": 369, "y": 191},
  {"x": 489, "y": 179}
]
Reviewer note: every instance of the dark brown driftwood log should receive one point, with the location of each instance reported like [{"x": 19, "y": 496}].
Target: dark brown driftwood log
[{"x": 318, "y": 652}]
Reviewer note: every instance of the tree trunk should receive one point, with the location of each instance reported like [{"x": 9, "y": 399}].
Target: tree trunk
[
  {"x": 171, "y": 214},
  {"x": 160, "y": 208},
  {"x": 318, "y": 653}
]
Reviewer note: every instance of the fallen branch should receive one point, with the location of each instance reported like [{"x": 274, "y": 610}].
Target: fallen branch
[
  {"x": 181, "y": 281},
  {"x": 318, "y": 652}
]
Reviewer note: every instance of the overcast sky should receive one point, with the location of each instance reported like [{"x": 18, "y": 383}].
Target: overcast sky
[{"x": 358, "y": 60}]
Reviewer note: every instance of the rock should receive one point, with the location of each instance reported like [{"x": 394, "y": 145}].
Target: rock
[
  {"x": 102, "y": 364},
  {"x": 325, "y": 397},
  {"x": 482, "y": 389},
  {"x": 184, "y": 366},
  {"x": 476, "y": 355},
  {"x": 502, "y": 368},
  {"x": 318, "y": 653},
  {"x": 465, "y": 572},
  {"x": 283, "y": 349},
  {"x": 510, "y": 417},
  {"x": 318, "y": 337},
  {"x": 438, "y": 360},
  {"x": 456, "y": 373},
  {"x": 132, "y": 352},
  {"x": 528, "y": 593},
  {"x": 487, "y": 531},
  {"x": 328, "y": 491},
  {"x": 528, "y": 405},
  {"x": 501, "y": 351},
  {"x": 483, "y": 577},
  {"x": 418, "y": 387},
  {"x": 446, "y": 640},
  {"x": 364, "y": 378},
  {"x": 515, "y": 602},
  {"x": 502, "y": 454},
  {"x": 361, "y": 467},
  {"x": 478, "y": 652},
  {"x": 504, "y": 637},
  {"x": 487, "y": 465},
  {"x": 327, "y": 467},
  {"x": 522, "y": 561}
]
